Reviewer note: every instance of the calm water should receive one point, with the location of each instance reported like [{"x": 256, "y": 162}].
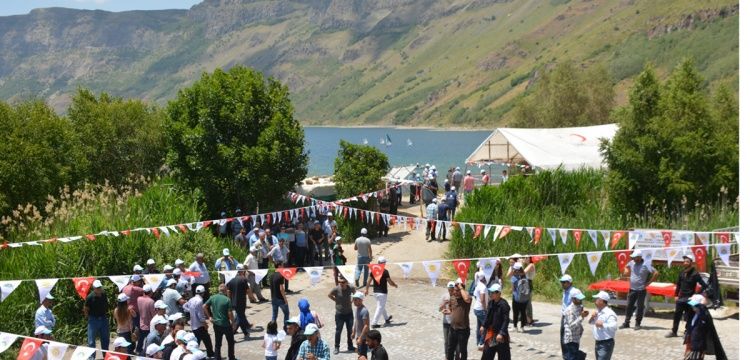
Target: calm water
[{"x": 443, "y": 149}]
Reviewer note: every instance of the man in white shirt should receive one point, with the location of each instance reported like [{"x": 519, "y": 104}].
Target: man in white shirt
[
  {"x": 199, "y": 266},
  {"x": 605, "y": 326},
  {"x": 566, "y": 281},
  {"x": 44, "y": 316},
  {"x": 198, "y": 320},
  {"x": 172, "y": 298}
]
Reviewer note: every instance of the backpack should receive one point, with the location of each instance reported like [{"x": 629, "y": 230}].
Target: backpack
[{"x": 524, "y": 291}]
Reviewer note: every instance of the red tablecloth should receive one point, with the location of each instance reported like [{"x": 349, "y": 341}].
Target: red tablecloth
[{"x": 663, "y": 289}]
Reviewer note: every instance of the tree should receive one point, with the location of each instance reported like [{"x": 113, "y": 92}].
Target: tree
[
  {"x": 567, "y": 95},
  {"x": 232, "y": 134},
  {"x": 358, "y": 169},
  {"x": 119, "y": 137}
]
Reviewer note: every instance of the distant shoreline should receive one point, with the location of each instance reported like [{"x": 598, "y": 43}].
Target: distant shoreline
[{"x": 400, "y": 127}]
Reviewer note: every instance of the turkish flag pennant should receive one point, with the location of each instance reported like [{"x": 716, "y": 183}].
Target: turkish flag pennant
[
  {"x": 723, "y": 237},
  {"x": 376, "y": 270},
  {"x": 393, "y": 220},
  {"x": 535, "y": 259},
  {"x": 29, "y": 348},
  {"x": 462, "y": 268},
  {"x": 207, "y": 223},
  {"x": 182, "y": 228},
  {"x": 537, "y": 235},
  {"x": 361, "y": 215},
  {"x": 268, "y": 218},
  {"x": 83, "y": 285},
  {"x": 616, "y": 236},
  {"x": 191, "y": 273},
  {"x": 156, "y": 232},
  {"x": 287, "y": 215},
  {"x": 478, "y": 231},
  {"x": 577, "y": 235},
  {"x": 700, "y": 257},
  {"x": 623, "y": 256},
  {"x": 287, "y": 272},
  {"x": 91, "y": 237},
  {"x": 410, "y": 221},
  {"x": 346, "y": 212},
  {"x": 505, "y": 231},
  {"x": 125, "y": 232},
  {"x": 114, "y": 356},
  {"x": 667, "y": 236}
]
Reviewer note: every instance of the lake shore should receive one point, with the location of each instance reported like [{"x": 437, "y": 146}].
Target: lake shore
[{"x": 399, "y": 127}]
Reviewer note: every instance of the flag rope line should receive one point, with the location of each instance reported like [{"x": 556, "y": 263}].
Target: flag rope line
[{"x": 16, "y": 336}]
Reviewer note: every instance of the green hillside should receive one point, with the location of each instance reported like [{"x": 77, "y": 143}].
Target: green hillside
[{"x": 417, "y": 62}]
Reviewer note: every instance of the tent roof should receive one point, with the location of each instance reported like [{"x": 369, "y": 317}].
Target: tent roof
[{"x": 571, "y": 148}]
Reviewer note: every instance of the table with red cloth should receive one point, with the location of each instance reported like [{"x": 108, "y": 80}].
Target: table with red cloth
[{"x": 623, "y": 286}]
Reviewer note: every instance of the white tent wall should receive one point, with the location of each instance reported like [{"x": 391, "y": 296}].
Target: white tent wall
[{"x": 570, "y": 148}]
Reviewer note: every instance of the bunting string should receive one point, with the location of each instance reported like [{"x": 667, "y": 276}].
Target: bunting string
[{"x": 56, "y": 350}]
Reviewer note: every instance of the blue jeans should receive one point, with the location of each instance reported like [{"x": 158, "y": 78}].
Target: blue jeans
[
  {"x": 341, "y": 320},
  {"x": 98, "y": 327},
  {"x": 362, "y": 262},
  {"x": 242, "y": 320},
  {"x": 275, "y": 305},
  {"x": 571, "y": 351},
  {"x": 271, "y": 357},
  {"x": 481, "y": 315},
  {"x": 604, "y": 349}
]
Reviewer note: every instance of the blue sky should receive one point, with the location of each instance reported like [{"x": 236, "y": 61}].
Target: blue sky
[{"x": 15, "y": 7}]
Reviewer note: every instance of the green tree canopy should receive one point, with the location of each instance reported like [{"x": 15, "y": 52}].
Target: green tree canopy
[
  {"x": 233, "y": 135},
  {"x": 358, "y": 168},
  {"x": 119, "y": 137}
]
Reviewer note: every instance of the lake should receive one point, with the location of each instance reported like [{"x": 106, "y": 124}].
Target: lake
[{"x": 443, "y": 149}]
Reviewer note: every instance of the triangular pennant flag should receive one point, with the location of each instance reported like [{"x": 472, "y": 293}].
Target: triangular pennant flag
[
  {"x": 723, "y": 250},
  {"x": 45, "y": 286},
  {"x": 406, "y": 268},
  {"x": 552, "y": 234},
  {"x": 376, "y": 270},
  {"x": 56, "y": 350},
  {"x": 723, "y": 237},
  {"x": 478, "y": 230},
  {"x": 594, "y": 257},
  {"x": 564, "y": 236},
  {"x": 433, "y": 270},
  {"x": 462, "y": 268},
  {"x": 605, "y": 238},
  {"x": 671, "y": 255},
  {"x": 577, "y": 233},
  {"x": 633, "y": 238},
  {"x": 114, "y": 356},
  {"x": 537, "y": 235},
  {"x": 6, "y": 341},
  {"x": 530, "y": 230},
  {"x": 616, "y": 236},
  {"x": 7, "y": 287},
  {"x": 153, "y": 279},
  {"x": 623, "y": 257},
  {"x": 173, "y": 228},
  {"x": 121, "y": 281},
  {"x": 82, "y": 353},
  {"x": 463, "y": 229},
  {"x": 700, "y": 257},
  {"x": 536, "y": 258},
  {"x": 259, "y": 274},
  {"x": 83, "y": 285},
  {"x": 347, "y": 271},
  {"x": 164, "y": 229},
  {"x": 648, "y": 256},
  {"x": 315, "y": 273},
  {"x": 486, "y": 229},
  {"x": 685, "y": 239},
  {"x": 565, "y": 260},
  {"x": 28, "y": 348},
  {"x": 702, "y": 237},
  {"x": 228, "y": 275},
  {"x": 503, "y": 232},
  {"x": 287, "y": 272},
  {"x": 487, "y": 266},
  {"x": 594, "y": 237},
  {"x": 667, "y": 237}
]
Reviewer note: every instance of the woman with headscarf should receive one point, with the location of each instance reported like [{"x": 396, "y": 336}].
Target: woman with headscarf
[
  {"x": 700, "y": 336},
  {"x": 307, "y": 316}
]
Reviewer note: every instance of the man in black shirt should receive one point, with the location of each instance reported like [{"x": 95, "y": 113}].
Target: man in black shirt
[
  {"x": 278, "y": 295},
  {"x": 495, "y": 327},
  {"x": 377, "y": 351},
  {"x": 293, "y": 330},
  {"x": 688, "y": 279},
  {"x": 317, "y": 236},
  {"x": 239, "y": 292},
  {"x": 380, "y": 288},
  {"x": 95, "y": 309}
]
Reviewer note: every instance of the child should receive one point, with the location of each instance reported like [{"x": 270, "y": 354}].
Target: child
[{"x": 271, "y": 341}]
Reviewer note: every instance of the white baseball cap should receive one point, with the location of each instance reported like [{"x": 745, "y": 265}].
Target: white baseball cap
[
  {"x": 483, "y": 171},
  {"x": 180, "y": 335},
  {"x": 178, "y": 262},
  {"x": 358, "y": 295},
  {"x": 337, "y": 239},
  {"x": 311, "y": 329},
  {"x": 363, "y": 231},
  {"x": 168, "y": 267},
  {"x": 468, "y": 172},
  {"x": 150, "y": 262},
  {"x": 602, "y": 295},
  {"x": 153, "y": 349},
  {"x": 293, "y": 320},
  {"x": 577, "y": 294},
  {"x": 135, "y": 278},
  {"x": 177, "y": 272},
  {"x": 161, "y": 320},
  {"x": 517, "y": 266},
  {"x": 451, "y": 284},
  {"x": 495, "y": 288},
  {"x": 689, "y": 256},
  {"x": 147, "y": 288},
  {"x": 566, "y": 278},
  {"x": 434, "y": 200},
  {"x": 329, "y": 214},
  {"x": 42, "y": 330},
  {"x": 225, "y": 252},
  {"x": 696, "y": 299},
  {"x": 123, "y": 297},
  {"x": 453, "y": 188},
  {"x": 97, "y": 284},
  {"x": 171, "y": 282},
  {"x": 137, "y": 268},
  {"x": 446, "y": 181},
  {"x": 190, "y": 337},
  {"x": 381, "y": 260},
  {"x": 160, "y": 304},
  {"x": 515, "y": 256},
  {"x": 174, "y": 317},
  {"x": 121, "y": 342},
  {"x": 200, "y": 289},
  {"x": 240, "y": 267},
  {"x": 636, "y": 253}
]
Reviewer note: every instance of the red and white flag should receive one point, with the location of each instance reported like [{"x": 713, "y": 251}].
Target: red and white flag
[
  {"x": 623, "y": 257},
  {"x": 287, "y": 272},
  {"x": 723, "y": 237},
  {"x": 462, "y": 268},
  {"x": 83, "y": 285},
  {"x": 577, "y": 233},
  {"x": 616, "y": 236},
  {"x": 376, "y": 270},
  {"x": 699, "y": 251},
  {"x": 29, "y": 348}
]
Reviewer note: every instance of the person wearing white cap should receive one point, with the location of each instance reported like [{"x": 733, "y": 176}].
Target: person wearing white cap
[
  {"x": 521, "y": 295},
  {"x": 95, "y": 308},
  {"x": 641, "y": 274},
  {"x": 173, "y": 298},
  {"x": 451, "y": 198},
  {"x": 443, "y": 210},
  {"x": 700, "y": 334},
  {"x": 431, "y": 214},
  {"x": 573, "y": 320},
  {"x": 238, "y": 290},
  {"x": 457, "y": 179},
  {"x": 495, "y": 326},
  {"x": 199, "y": 266},
  {"x": 296, "y": 334},
  {"x": 161, "y": 313},
  {"x": 380, "y": 290},
  {"x": 156, "y": 335},
  {"x": 504, "y": 177},
  {"x": 688, "y": 279},
  {"x": 444, "y": 309},
  {"x": 447, "y": 185},
  {"x": 151, "y": 267},
  {"x": 481, "y": 301},
  {"x": 328, "y": 225},
  {"x": 43, "y": 315},
  {"x": 121, "y": 345},
  {"x": 154, "y": 351},
  {"x": 460, "y": 328},
  {"x": 198, "y": 322},
  {"x": 137, "y": 269},
  {"x": 566, "y": 282},
  {"x": 314, "y": 348},
  {"x": 605, "y": 326},
  {"x": 226, "y": 262},
  {"x": 363, "y": 247},
  {"x": 361, "y": 322},
  {"x": 146, "y": 312},
  {"x": 485, "y": 177}
]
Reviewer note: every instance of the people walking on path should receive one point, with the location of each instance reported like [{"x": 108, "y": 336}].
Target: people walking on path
[
  {"x": 566, "y": 282},
  {"x": 495, "y": 326},
  {"x": 521, "y": 295},
  {"x": 342, "y": 297},
  {"x": 363, "y": 247},
  {"x": 688, "y": 279},
  {"x": 96, "y": 309},
  {"x": 380, "y": 290},
  {"x": 573, "y": 323},
  {"x": 604, "y": 322},
  {"x": 361, "y": 323}
]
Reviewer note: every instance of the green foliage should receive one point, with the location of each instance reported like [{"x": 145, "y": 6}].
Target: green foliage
[
  {"x": 567, "y": 96},
  {"x": 38, "y": 154},
  {"x": 118, "y": 137},
  {"x": 90, "y": 210},
  {"x": 566, "y": 199},
  {"x": 674, "y": 149},
  {"x": 358, "y": 168},
  {"x": 233, "y": 136}
]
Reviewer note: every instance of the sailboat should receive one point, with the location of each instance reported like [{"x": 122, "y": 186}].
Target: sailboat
[
  {"x": 364, "y": 141},
  {"x": 408, "y": 142},
  {"x": 388, "y": 140},
  {"x": 382, "y": 141}
]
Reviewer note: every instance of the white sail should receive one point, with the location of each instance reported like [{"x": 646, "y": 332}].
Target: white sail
[
  {"x": 364, "y": 141},
  {"x": 382, "y": 141},
  {"x": 408, "y": 142}
]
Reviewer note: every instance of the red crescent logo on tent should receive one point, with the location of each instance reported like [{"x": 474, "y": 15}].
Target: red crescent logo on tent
[
  {"x": 29, "y": 348},
  {"x": 583, "y": 138}
]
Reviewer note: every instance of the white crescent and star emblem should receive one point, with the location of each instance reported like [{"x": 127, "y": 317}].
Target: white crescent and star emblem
[{"x": 28, "y": 349}]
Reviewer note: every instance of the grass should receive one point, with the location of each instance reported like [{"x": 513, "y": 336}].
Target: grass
[{"x": 560, "y": 199}]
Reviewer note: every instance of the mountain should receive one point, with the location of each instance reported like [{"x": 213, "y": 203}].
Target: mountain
[{"x": 411, "y": 62}]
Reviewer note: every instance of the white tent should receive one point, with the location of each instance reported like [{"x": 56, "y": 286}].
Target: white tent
[{"x": 571, "y": 148}]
